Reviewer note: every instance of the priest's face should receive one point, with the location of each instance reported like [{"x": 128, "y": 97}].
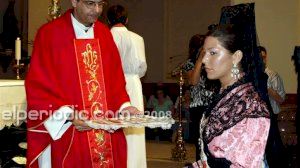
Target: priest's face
[{"x": 87, "y": 11}]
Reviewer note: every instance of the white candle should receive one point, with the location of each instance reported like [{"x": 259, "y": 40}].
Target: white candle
[{"x": 18, "y": 49}]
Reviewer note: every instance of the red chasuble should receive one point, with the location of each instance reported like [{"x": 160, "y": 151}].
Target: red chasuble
[{"x": 96, "y": 85}]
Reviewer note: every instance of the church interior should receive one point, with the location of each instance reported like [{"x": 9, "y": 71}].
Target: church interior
[{"x": 166, "y": 26}]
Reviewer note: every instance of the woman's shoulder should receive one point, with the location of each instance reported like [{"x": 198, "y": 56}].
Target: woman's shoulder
[
  {"x": 253, "y": 103},
  {"x": 244, "y": 102}
]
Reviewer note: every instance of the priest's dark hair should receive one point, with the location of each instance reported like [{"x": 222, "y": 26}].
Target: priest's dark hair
[{"x": 117, "y": 14}]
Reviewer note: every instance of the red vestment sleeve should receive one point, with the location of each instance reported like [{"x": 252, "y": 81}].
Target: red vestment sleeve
[
  {"x": 43, "y": 96},
  {"x": 41, "y": 82}
]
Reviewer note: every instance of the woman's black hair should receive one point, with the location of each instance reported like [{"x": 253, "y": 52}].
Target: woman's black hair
[{"x": 240, "y": 34}]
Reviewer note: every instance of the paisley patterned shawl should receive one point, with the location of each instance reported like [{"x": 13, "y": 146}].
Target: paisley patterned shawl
[{"x": 234, "y": 104}]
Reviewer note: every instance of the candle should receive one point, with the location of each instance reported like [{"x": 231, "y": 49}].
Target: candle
[{"x": 18, "y": 49}]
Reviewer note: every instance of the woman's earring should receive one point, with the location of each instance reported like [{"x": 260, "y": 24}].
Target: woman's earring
[{"x": 235, "y": 72}]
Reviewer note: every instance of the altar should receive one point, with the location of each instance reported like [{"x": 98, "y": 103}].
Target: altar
[{"x": 12, "y": 103}]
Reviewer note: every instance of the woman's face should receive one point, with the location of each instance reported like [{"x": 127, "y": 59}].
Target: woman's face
[
  {"x": 218, "y": 61},
  {"x": 160, "y": 94}
]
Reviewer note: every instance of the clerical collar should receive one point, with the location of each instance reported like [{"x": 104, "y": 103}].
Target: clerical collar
[
  {"x": 80, "y": 25},
  {"x": 81, "y": 31}
]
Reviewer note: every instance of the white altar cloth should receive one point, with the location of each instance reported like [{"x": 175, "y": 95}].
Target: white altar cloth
[{"x": 12, "y": 103}]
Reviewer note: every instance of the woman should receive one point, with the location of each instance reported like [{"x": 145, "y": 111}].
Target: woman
[
  {"x": 234, "y": 131},
  {"x": 161, "y": 105}
]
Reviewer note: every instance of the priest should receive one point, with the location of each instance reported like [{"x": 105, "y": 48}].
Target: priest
[{"x": 75, "y": 70}]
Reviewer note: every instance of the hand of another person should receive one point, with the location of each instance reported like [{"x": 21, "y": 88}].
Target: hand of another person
[
  {"x": 201, "y": 54},
  {"x": 200, "y": 58},
  {"x": 200, "y": 164},
  {"x": 273, "y": 94},
  {"x": 194, "y": 75}
]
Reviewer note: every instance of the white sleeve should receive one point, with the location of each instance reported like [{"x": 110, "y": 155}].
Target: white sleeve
[
  {"x": 141, "y": 57},
  {"x": 45, "y": 158},
  {"x": 117, "y": 39},
  {"x": 55, "y": 124}
]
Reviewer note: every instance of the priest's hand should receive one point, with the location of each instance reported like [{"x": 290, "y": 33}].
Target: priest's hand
[
  {"x": 131, "y": 111},
  {"x": 80, "y": 125},
  {"x": 79, "y": 122}
]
